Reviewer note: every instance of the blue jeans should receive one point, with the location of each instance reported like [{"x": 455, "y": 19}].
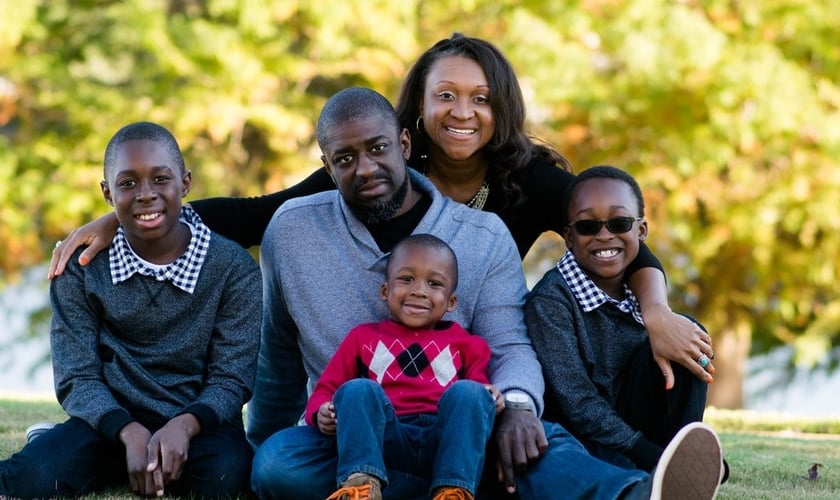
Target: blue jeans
[
  {"x": 73, "y": 459},
  {"x": 567, "y": 471},
  {"x": 403, "y": 452},
  {"x": 300, "y": 462}
]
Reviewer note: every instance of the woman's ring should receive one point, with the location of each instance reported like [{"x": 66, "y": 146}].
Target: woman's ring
[{"x": 703, "y": 360}]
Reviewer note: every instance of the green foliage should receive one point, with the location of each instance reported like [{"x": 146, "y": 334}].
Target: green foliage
[{"x": 725, "y": 111}]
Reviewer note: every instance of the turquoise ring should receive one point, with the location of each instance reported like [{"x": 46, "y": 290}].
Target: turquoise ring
[{"x": 703, "y": 360}]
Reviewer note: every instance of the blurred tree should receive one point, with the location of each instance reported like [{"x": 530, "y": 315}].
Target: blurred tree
[{"x": 727, "y": 113}]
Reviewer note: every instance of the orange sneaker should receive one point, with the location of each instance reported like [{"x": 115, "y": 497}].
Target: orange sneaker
[
  {"x": 452, "y": 493},
  {"x": 358, "y": 486}
]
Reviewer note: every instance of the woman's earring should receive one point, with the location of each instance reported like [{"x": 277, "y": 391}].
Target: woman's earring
[{"x": 419, "y": 123}]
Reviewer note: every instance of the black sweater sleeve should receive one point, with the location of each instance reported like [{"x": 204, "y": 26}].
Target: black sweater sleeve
[
  {"x": 244, "y": 220},
  {"x": 644, "y": 259}
]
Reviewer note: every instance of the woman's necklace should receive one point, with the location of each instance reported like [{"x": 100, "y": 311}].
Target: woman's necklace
[
  {"x": 479, "y": 199},
  {"x": 477, "y": 202}
]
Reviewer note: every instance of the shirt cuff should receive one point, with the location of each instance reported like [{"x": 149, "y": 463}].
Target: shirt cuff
[
  {"x": 112, "y": 423},
  {"x": 205, "y": 415}
]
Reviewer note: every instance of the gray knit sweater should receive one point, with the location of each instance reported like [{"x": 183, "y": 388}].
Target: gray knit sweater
[
  {"x": 583, "y": 355},
  {"x": 322, "y": 271},
  {"x": 147, "y": 351}
]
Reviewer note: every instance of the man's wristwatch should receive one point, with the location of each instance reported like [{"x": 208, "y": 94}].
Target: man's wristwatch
[{"x": 518, "y": 401}]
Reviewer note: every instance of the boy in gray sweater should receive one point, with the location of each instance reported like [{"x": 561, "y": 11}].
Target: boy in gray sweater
[
  {"x": 602, "y": 382},
  {"x": 154, "y": 346}
]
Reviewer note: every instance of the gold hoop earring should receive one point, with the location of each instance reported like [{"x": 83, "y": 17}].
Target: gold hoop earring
[{"x": 419, "y": 124}]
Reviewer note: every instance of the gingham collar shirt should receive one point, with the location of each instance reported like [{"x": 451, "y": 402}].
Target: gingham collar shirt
[
  {"x": 183, "y": 272},
  {"x": 589, "y": 295}
]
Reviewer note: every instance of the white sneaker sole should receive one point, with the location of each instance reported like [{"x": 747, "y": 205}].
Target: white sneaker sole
[
  {"x": 35, "y": 430},
  {"x": 690, "y": 467}
]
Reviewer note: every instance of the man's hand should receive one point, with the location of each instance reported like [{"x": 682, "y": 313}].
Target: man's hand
[
  {"x": 326, "y": 418},
  {"x": 135, "y": 437},
  {"x": 674, "y": 337},
  {"x": 96, "y": 234},
  {"x": 520, "y": 438}
]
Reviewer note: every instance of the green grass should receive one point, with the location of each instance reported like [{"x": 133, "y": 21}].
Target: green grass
[{"x": 769, "y": 454}]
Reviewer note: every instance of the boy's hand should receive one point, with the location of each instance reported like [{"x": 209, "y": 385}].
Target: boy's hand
[
  {"x": 326, "y": 419},
  {"x": 169, "y": 450},
  {"x": 135, "y": 437},
  {"x": 96, "y": 234},
  {"x": 497, "y": 398}
]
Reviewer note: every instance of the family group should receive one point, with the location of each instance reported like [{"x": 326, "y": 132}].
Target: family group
[{"x": 386, "y": 344}]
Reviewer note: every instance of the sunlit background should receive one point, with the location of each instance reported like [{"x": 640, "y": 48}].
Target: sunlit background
[{"x": 728, "y": 114}]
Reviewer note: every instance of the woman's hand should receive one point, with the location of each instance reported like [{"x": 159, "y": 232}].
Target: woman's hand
[
  {"x": 674, "y": 337},
  {"x": 97, "y": 235}
]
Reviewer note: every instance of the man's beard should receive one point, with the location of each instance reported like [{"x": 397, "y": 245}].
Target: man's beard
[{"x": 382, "y": 210}]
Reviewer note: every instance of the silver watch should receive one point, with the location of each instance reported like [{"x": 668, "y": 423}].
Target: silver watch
[{"x": 518, "y": 401}]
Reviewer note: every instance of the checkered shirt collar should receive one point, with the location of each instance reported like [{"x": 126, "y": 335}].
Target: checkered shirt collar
[
  {"x": 183, "y": 272},
  {"x": 589, "y": 295}
]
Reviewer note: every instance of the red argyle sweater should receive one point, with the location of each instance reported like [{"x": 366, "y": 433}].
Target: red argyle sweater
[{"x": 414, "y": 367}]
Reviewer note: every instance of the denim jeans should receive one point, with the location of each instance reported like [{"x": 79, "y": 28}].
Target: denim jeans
[
  {"x": 567, "y": 471},
  {"x": 73, "y": 459},
  {"x": 300, "y": 462},
  {"x": 411, "y": 454}
]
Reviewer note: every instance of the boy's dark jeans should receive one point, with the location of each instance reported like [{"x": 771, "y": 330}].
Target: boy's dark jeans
[{"x": 73, "y": 459}]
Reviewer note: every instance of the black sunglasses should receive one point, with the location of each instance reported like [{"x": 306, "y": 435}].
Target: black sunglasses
[{"x": 616, "y": 225}]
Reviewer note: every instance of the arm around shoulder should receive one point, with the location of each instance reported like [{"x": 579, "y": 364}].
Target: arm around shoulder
[{"x": 244, "y": 220}]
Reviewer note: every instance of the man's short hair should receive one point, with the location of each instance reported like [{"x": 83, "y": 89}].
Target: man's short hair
[{"x": 353, "y": 104}]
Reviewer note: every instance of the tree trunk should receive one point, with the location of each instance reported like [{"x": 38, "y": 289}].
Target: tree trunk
[{"x": 732, "y": 348}]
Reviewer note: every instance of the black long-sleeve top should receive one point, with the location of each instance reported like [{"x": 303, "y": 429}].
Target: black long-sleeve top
[{"x": 244, "y": 219}]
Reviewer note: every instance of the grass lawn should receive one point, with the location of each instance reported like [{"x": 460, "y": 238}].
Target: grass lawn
[{"x": 769, "y": 455}]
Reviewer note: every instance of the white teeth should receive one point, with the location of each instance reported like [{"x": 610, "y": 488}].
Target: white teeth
[
  {"x": 464, "y": 131},
  {"x": 148, "y": 216},
  {"x": 604, "y": 254}
]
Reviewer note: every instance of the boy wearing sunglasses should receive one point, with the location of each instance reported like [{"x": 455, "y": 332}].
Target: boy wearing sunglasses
[{"x": 602, "y": 382}]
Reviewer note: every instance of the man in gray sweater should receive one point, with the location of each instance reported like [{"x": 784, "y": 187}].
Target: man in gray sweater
[
  {"x": 320, "y": 257},
  {"x": 154, "y": 346}
]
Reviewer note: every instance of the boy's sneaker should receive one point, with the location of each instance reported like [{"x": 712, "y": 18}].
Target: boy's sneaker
[
  {"x": 691, "y": 466},
  {"x": 452, "y": 493},
  {"x": 359, "y": 486},
  {"x": 35, "y": 430}
]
